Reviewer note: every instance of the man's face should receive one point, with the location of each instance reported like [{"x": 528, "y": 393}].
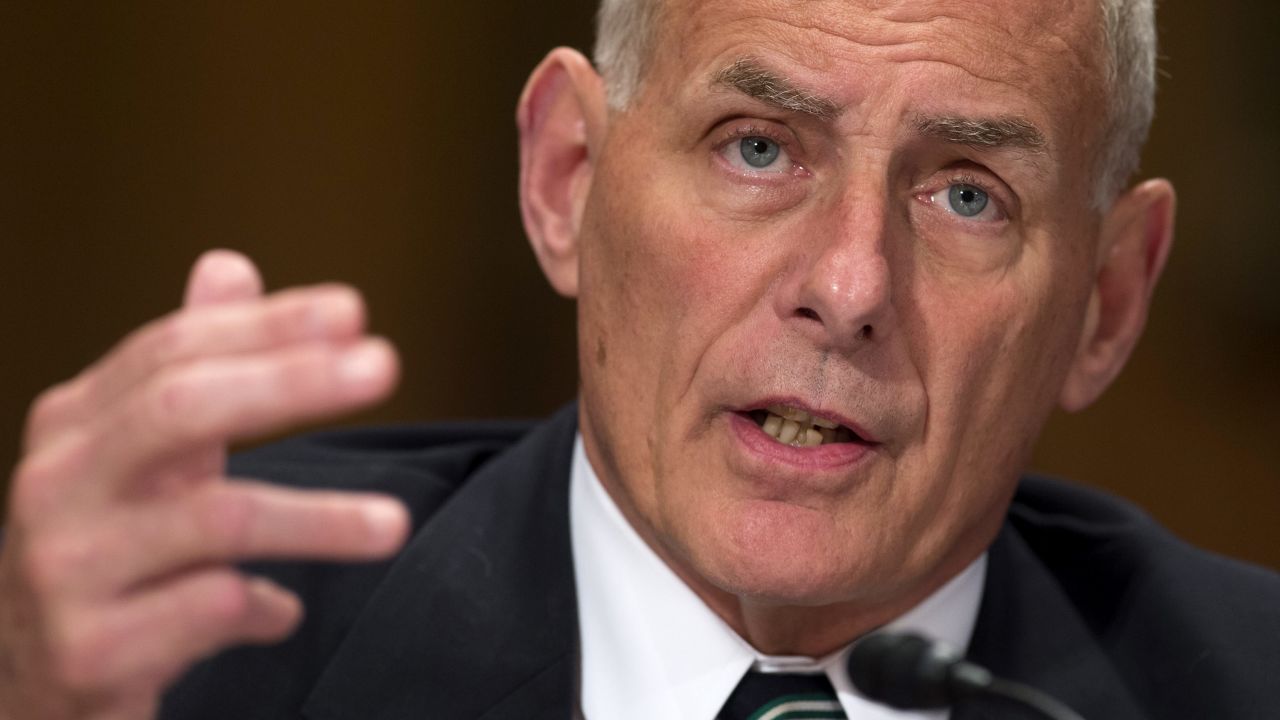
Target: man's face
[{"x": 877, "y": 213}]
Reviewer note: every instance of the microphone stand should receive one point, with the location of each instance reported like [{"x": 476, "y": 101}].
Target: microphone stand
[
  {"x": 1029, "y": 697},
  {"x": 910, "y": 672}
]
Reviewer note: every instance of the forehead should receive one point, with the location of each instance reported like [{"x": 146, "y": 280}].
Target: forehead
[
  {"x": 992, "y": 32},
  {"x": 1046, "y": 55}
]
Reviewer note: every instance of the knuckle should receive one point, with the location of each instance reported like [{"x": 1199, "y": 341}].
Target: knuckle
[
  {"x": 46, "y": 409},
  {"x": 96, "y": 390},
  {"x": 29, "y": 487},
  {"x": 39, "y": 476},
  {"x": 45, "y": 405},
  {"x": 173, "y": 405},
  {"x": 92, "y": 387},
  {"x": 42, "y": 402}
]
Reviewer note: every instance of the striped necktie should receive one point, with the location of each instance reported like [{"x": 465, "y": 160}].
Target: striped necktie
[{"x": 779, "y": 696}]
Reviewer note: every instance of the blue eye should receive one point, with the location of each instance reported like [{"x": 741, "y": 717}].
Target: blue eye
[
  {"x": 759, "y": 152},
  {"x": 967, "y": 200}
]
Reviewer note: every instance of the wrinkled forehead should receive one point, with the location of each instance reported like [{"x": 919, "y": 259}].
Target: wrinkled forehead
[
  {"x": 1051, "y": 53},
  {"x": 1019, "y": 30}
]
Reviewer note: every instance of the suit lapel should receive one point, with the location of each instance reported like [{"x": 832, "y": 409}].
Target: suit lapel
[
  {"x": 1029, "y": 631},
  {"x": 478, "y": 617}
]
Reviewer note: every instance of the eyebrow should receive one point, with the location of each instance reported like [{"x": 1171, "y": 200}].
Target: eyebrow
[
  {"x": 997, "y": 132},
  {"x": 752, "y": 79}
]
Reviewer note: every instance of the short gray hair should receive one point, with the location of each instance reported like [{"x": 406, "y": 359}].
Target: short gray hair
[
  {"x": 1129, "y": 27},
  {"x": 625, "y": 33}
]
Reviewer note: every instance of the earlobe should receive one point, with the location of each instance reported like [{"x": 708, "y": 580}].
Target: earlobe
[
  {"x": 1137, "y": 235},
  {"x": 561, "y": 120}
]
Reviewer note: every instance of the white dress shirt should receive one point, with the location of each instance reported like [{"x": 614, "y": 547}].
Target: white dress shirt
[{"x": 652, "y": 649}]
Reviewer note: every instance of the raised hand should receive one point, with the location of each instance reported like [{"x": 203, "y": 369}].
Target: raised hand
[{"x": 117, "y": 565}]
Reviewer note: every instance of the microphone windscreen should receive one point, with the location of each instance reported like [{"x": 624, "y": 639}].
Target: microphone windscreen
[{"x": 902, "y": 670}]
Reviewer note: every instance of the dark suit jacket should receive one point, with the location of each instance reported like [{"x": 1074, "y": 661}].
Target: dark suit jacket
[{"x": 1086, "y": 598}]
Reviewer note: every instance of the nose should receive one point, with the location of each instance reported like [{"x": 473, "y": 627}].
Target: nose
[{"x": 840, "y": 291}]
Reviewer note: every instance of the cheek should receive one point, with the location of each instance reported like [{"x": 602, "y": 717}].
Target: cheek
[
  {"x": 999, "y": 359},
  {"x": 668, "y": 268},
  {"x": 653, "y": 276}
]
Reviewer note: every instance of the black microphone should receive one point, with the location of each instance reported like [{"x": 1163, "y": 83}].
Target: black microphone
[{"x": 910, "y": 672}]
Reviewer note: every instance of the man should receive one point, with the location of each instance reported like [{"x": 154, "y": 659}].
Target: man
[{"x": 835, "y": 263}]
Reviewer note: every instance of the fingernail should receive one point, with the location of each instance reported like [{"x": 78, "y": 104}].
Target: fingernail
[
  {"x": 386, "y": 520},
  {"x": 334, "y": 312},
  {"x": 364, "y": 363}
]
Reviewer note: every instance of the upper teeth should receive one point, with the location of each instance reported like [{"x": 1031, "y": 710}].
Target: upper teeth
[
  {"x": 789, "y": 413},
  {"x": 792, "y": 426}
]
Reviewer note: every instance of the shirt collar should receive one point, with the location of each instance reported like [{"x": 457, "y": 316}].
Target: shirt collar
[{"x": 652, "y": 648}]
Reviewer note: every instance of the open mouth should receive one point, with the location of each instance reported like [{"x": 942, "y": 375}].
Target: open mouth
[{"x": 798, "y": 428}]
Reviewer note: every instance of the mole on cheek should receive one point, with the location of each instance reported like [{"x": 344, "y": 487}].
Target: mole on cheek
[{"x": 600, "y": 352}]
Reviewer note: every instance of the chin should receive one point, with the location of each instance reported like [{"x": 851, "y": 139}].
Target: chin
[
  {"x": 808, "y": 587},
  {"x": 782, "y": 556}
]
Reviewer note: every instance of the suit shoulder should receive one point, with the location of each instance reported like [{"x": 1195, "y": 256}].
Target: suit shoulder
[
  {"x": 421, "y": 464},
  {"x": 1068, "y": 524},
  {"x": 1190, "y": 628}
]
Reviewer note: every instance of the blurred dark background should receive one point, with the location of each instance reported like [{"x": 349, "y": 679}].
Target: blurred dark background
[{"x": 373, "y": 143}]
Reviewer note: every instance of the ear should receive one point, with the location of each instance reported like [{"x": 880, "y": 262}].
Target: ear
[
  {"x": 561, "y": 118},
  {"x": 1137, "y": 234}
]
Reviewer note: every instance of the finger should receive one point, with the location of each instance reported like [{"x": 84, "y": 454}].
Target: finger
[
  {"x": 191, "y": 407},
  {"x": 146, "y": 641},
  {"x": 217, "y": 277},
  {"x": 183, "y": 412},
  {"x": 226, "y": 522},
  {"x": 220, "y": 276},
  {"x": 325, "y": 313},
  {"x": 50, "y": 410}
]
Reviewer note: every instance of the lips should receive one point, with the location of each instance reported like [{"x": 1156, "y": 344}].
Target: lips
[{"x": 798, "y": 463}]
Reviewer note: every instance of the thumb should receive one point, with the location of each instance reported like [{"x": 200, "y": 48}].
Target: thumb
[{"x": 220, "y": 276}]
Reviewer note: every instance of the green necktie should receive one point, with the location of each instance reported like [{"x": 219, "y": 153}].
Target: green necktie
[{"x": 782, "y": 696}]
